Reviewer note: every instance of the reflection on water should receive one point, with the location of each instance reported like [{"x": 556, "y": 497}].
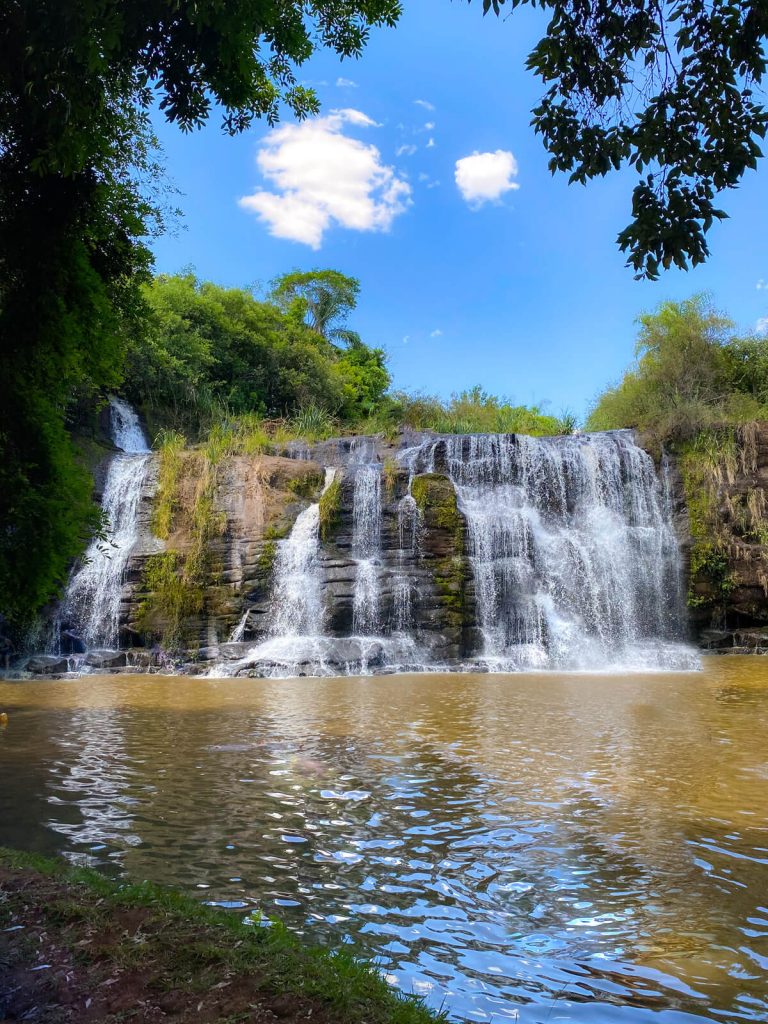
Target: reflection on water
[{"x": 548, "y": 848}]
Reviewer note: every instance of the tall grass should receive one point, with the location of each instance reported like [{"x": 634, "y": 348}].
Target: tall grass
[{"x": 170, "y": 445}]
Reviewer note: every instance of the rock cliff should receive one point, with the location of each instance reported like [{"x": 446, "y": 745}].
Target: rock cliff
[{"x": 719, "y": 489}]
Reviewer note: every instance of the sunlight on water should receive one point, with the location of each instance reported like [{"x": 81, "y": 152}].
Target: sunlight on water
[{"x": 543, "y": 848}]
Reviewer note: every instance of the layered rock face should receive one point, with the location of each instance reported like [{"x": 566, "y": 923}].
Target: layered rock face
[
  {"x": 361, "y": 555},
  {"x": 489, "y": 552},
  {"x": 256, "y": 502},
  {"x": 722, "y": 523}
]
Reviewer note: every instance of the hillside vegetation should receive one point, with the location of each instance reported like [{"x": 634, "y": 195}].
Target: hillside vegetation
[
  {"x": 699, "y": 389},
  {"x": 233, "y": 372}
]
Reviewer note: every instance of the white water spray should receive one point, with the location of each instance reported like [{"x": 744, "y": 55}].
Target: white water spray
[{"x": 574, "y": 559}]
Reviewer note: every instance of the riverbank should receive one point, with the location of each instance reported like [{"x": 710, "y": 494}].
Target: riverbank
[{"x": 75, "y": 946}]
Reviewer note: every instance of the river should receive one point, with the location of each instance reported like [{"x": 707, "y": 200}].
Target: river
[{"x": 541, "y": 848}]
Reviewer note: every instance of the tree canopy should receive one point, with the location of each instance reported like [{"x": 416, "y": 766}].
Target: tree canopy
[
  {"x": 669, "y": 88},
  {"x": 80, "y": 192},
  {"x": 691, "y": 371},
  {"x": 211, "y": 352},
  {"x": 323, "y": 299}
]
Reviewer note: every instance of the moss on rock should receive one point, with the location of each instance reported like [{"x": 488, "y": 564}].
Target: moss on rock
[{"x": 443, "y": 541}]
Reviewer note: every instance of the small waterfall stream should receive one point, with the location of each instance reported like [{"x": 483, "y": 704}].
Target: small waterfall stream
[
  {"x": 296, "y": 606},
  {"x": 92, "y": 600},
  {"x": 366, "y": 548}
]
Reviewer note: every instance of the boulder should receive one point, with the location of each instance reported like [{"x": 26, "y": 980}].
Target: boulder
[
  {"x": 46, "y": 664},
  {"x": 105, "y": 659}
]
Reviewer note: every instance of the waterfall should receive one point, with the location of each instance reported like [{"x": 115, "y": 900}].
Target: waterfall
[
  {"x": 574, "y": 559},
  {"x": 408, "y": 533},
  {"x": 366, "y": 548},
  {"x": 296, "y": 606},
  {"x": 92, "y": 600}
]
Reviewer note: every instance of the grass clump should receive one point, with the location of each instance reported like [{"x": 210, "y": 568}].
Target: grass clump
[
  {"x": 306, "y": 486},
  {"x": 389, "y": 473},
  {"x": 313, "y": 423},
  {"x": 170, "y": 446},
  {"x": 330, "y": 509},
  {"x": 476, "y": 412},
  {"x": 214, "y": 965}
]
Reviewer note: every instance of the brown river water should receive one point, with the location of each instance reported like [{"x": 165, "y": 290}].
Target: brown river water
[{"x": 541, "y": 848}]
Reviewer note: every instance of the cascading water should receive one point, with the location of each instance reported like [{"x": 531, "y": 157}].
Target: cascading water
[
  {"x": 92, "y": 600},
  {"x": 366, "y": 548},
  {"x": 574, "y": 559},
  {"x": 407, "y": 532},
  {"x": 296, "y": 598},
  {"x": 296, "y": 606}
]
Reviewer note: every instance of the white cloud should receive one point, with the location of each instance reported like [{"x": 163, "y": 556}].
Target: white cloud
[
  {"x": 425, "y": 179},
  {"x": 762, "y": 325},
  {"x": 485, "y": 177},
  {"x": 437, "y": 333},
  {"x": 762, "y": 285},
  {"x": 431, "y": 144},
  {"x": 429, "y": 126},
  {"x": 323, "y": 177},
  {"x": 425, "y": 104},
  {"x": 406, "y": 150},
  {"x": 406, "y": 339},
  {"x": 345, "y": 83}
]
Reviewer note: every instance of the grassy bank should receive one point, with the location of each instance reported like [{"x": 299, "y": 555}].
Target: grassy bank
[{"x": 83, "y": 948}]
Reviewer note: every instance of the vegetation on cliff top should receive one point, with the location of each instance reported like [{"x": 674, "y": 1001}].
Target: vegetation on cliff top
[
  {"x": 692, "y": 371},
  {"x": 698, "y": 388},
  {"x": 213, "y": 354},
  {"x": 111, "y": 948}
]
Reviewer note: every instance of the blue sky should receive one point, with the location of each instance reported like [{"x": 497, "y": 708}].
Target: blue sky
[{"x": 512, "y": 281}]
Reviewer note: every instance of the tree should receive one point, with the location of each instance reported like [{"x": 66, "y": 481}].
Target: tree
[
  {"x": 321, "y": 298},
  {"x": 690, "y": 372},
  {"x": 670, "y": 88},
  {"x": 78, "y": 196},
  {"x": 211, "y": 352}
]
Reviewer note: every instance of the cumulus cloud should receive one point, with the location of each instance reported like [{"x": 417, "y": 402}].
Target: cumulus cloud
[
  {"x": 323, "y": 177},
  {"x": 437, "y": 333},
  {"x": 762, "y": 325},
  {"x": 762, "y": 285},
  {"x": 485, "y": 177},
  {"x": 346, "y": 83},
  {"x": 431, "y": 144},
  {"x": 425, "y": 104}
]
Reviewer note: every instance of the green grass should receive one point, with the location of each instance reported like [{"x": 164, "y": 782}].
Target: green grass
[
  {"x": 186, "y": 943},
  {"x": 170, "y": 445},
  {"x": 330, "y": 509}
]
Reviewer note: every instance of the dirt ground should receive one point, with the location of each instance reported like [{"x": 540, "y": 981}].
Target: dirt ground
[{"x": 70, "y": 955}]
